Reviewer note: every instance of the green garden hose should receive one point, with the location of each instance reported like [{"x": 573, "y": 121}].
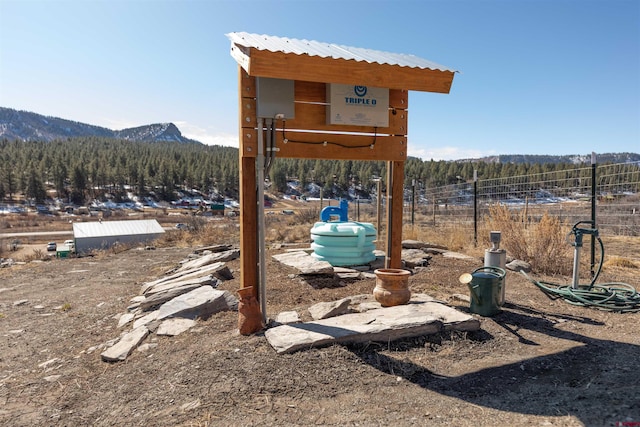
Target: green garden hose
[
  {"x": 615, "y": 296},
  {"x": 579, "y": 233}
]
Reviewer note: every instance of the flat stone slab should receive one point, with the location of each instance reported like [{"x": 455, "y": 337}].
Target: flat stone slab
[
  {"x": 175, "y": 326},
  {"x": 458, "y": 255},
  {"x": 156, "y": 299},
  {"x": 417, "y": 244},
  {"x": 324, "y": 310},
  {"x": 415, "y": 258},
  {"x": 287, "y": 317},
  {"x": 382, "y": 324},
  {"x": 210, "y": 259},
  {"x": 205, "y": 279},
  {"x": 519, "y": 265},
  {"x": 217, "y": 269},
  {"x": 124, "y": 319},
  {"x": 304, "y": 263},
  {"x": 356, "y": 275},
  {"x": 344, "y": 270},
  {"x": 213, "y": 248},
  {"x": 201, "y": 302},
  {"x": 127, "y": 343},
  {"x": 146, "y": 319}
]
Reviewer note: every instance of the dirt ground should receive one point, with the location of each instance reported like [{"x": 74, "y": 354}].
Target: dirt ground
[{"x": 538, "y": 362}]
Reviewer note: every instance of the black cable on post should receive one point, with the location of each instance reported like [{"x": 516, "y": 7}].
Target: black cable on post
[
  {"x": 593, "y": 210},
  {"x": 475, "y": 207},
  {"x": 413, "y": 201}
]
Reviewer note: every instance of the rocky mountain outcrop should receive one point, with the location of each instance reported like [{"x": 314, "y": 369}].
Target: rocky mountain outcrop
[{"x": 27, "y": 126}]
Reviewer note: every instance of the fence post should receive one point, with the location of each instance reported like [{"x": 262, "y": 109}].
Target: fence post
[
  {"x": 413, "y": 201},
  {"x": 593, "y": 211},
  {"x": 475, "y": 207},
  {"x": 378, "y": 203},
  {"x": 434, "y": 209}
]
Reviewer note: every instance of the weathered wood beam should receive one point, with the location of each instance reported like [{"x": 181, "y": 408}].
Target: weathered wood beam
[
  {"x": 248, "y": 194},
  {"x": 303, "y": 145},
  {"x": 264, "y": 63},
  {"x": 395, "y": 201}
]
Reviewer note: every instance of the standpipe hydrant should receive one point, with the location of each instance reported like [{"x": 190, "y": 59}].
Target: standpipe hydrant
[{"x": 579, "y": 232}]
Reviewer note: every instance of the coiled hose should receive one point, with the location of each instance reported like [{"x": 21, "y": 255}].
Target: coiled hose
[{"x": 614, "y": 296}]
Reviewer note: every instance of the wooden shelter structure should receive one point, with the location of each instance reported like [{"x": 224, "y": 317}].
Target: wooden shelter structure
[{"x": 286, "y": 87}]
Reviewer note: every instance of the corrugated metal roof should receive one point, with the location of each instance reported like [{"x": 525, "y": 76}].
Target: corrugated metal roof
[
  {"x": 330, "y": 50},
  {"x": 116, "y": 228}
]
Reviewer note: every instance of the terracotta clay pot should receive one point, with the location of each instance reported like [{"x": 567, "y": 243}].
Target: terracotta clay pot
[
  {"x": 392, "y": 286},
  {"x": 249, "y": 315}
]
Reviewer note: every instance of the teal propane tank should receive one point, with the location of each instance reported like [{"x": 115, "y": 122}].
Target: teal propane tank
[
  {"x": 485, "y": 285},
  {"x": 342, "y": 243}
]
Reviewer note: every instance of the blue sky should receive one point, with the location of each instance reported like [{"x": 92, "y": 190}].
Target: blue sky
[{"x": 535, "y": 76}]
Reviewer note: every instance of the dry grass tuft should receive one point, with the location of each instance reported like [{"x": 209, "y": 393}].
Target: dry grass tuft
[
  {"x": 307, "y": 216},
  {"x": 36, "y": 255},
  {"x": 620, "y": 262},
  {"x": 121, "y": 247},
  {"x": 202, "y": 233},
  {"x": 225, "y": 231},
  {"x": 542, "y": 244},
  {"x": 288, "y": 229},
  {"x": 454, "y": 238}
]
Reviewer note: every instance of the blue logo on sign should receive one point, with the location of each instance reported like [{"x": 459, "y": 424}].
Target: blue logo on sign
[{"x": 359, "y": 99}]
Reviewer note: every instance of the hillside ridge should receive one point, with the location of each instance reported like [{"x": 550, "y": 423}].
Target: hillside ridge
[{"x": 29, "y": 126}]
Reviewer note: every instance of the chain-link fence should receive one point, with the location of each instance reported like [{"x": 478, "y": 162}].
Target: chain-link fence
[{"x": 612, "y": 198}]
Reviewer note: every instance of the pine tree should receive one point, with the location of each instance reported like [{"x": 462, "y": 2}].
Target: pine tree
[
  {"x": 278, "y": 177},
  {"x": 35, "y": 188},
  {"x": 79, "y": 185}
]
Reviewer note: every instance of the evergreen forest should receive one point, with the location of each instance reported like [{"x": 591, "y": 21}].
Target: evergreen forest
[{"x": 86, "y": 168}]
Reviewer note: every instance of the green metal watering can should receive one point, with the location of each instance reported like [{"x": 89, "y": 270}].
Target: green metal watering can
[{"x": 485, "y": 285}]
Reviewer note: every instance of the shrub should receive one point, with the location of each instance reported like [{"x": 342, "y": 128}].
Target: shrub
[
  {"x": 542, "y": 244},
  {"x": 307, "y": 216},
  {"x": 36, "y": 254},
  {"x": 202, "y": 232}
]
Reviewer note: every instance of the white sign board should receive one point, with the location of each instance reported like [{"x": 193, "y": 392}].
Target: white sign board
[{"x": 357, "y": 105}]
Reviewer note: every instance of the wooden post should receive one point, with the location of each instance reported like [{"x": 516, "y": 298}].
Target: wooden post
[
  {"x": 248, "y": 185},
  {"x": 378, "y": 210},
  {"x": 248, "y": 225},
  {"x": 395, "y": 201}
]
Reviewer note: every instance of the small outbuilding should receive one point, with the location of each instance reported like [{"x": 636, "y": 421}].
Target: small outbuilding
[
  {"x": 98, "y": 235},
  {"x": 306, "y": 99}
]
